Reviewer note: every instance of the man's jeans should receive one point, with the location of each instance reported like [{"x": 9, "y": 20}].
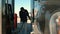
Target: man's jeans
[{"x": 23, "y": 28}]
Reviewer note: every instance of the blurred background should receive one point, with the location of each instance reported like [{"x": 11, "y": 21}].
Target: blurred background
[{"x": 42, "y": 13}]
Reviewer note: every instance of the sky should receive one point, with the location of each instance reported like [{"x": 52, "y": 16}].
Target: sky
[{"x": 22, "y": 3}]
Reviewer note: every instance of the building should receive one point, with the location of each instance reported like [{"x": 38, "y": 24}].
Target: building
[{"x": 7, "y": 16}]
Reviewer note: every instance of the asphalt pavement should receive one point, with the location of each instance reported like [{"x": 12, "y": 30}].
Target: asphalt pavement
[{"x": 29, "y": 28}]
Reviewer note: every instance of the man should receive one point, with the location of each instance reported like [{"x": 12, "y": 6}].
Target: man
[{"x": 23, "y": 16}]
